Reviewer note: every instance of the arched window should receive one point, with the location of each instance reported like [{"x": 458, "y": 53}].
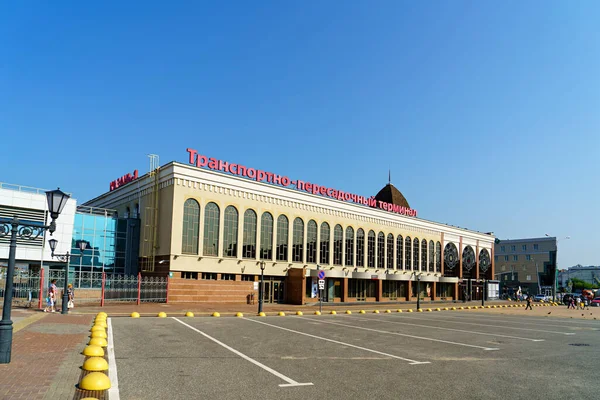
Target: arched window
[
  {"x": 450, "y": 257},
  {"x": 360, "y": 248},
  {"x": 298, "y": 241},
  {"x": 249, "y": 244},
  {"x": 416, "y": 254},
  {"x": 438, "y": 257},
  {"x": 469, "y": 260},
  {"x": 408, "y": 253},
  {"x": 325, "y": 232},
  {"x": 399, "y": 254},
  {"x": 211, "y": 230},
  {"x": 390, "y": 251},
  {"x": 191, "y": 227},
  {"x": 282, "y": 238},
  {"x": 431, "y": 256},
  {"x": 381, "y": 250},
  {"x": 230, "y": 232},
  {"x": 371, "y": 250},
  {"x": 424, "y": 255},
  {"x": 311, "y": 242},
  {"x": 484, "y": 263},
  {"x": 338, "y": 238},
  {"x": 266, "y": 236},
  {"x": 349, "y": 246}
]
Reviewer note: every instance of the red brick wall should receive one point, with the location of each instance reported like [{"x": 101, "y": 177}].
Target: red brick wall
[
  {"x": 210, "y": 291},
  {"x": 295, "y": 286}
]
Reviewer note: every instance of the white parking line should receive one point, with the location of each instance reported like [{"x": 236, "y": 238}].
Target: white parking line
[
  {"x": 411, "y": 336},
  {"x": 290, "y": 382},
  {"x": 113, "y": 392},
  {"x": 411, "y": 362},
  {"x": 492, "y": 326},
  {"x": 568, "y": 323},
  {"x": 448, "y": 329}
]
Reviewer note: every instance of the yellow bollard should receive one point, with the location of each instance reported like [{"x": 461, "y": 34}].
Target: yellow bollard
[
  {"x": 317, "y": 312},
  {"x": 216, "y": 314},
  {"x": 98, "y": 342},
  {"x": 95, "y": 381},
  {"x": 437, "y": 309},
  {"x": 420, "y": 310},
  {"x": 281, "y": 314},
  {"x": 102, "y": 313},
  {"x": 361, "y": 312},
  {"x": 135, "y": 314},
  {"x": 398, "y": 310},
  {"x": 262, "y": 314},
  {"x": 333, "y": 312},
  {"x": 98, "y": 334},
  {"x": 101, "y": 323},
  {"x": 453, "y": 308},
  {"x": 409, "y": 310},
  {"x": 95, "y": 364},
  {"x": 299, "y": 313},
  {"x": 348, "y": 312},
  {"x": 162, "y": 314},
  {"x": 97, "y": 328},
  {"x": 239, "y": 315},
  {"x": 189, "y": 314},
  {"x": 93, "y": 351},
  {"x": 429, "y": 310},
  {"x": 387, "y": 311},
  {"x": 375, "y": 311}
]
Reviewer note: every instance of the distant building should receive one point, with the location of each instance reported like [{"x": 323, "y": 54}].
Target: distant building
[
  {"x": 589, "y": 274},
  {"x": 526, "y": 263}
]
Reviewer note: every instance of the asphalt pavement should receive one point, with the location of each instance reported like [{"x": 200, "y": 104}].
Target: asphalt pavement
[{"x": 449, "y": 355}]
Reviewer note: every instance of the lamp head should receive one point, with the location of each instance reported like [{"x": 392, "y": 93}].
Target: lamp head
[
  {"x": 57, "y": 200},
  {"x": 82, "y": 245},
  {"x": 262, "y": 265},
  {"x": 52, "y": 243}
]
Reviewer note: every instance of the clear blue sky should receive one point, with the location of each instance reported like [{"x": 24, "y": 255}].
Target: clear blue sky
[{"x": 487, "y": 112}]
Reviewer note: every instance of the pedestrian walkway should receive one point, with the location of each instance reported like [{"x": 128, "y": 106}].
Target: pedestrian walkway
[{"x": 45, "y": 356}]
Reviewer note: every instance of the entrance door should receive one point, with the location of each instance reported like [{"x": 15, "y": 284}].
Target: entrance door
[
  {"x": 361, "y": 290},
  {"x": 273, "y": 292},
  {"x": 330, "y": 290}
]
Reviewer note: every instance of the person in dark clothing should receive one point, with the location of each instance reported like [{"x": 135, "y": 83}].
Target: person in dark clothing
[{"x": 529, "y": 302}]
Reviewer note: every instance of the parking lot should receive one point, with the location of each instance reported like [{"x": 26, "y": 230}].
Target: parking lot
[{"x": 448, "y": 355}]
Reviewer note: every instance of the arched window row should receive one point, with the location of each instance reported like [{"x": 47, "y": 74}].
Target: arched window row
[{"x": 301, "y": 241}]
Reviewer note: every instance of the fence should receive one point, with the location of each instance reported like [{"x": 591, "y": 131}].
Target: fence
[{"x": 89, "y": 288}]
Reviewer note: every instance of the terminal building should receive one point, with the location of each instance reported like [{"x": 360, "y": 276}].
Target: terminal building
[{"x": 214, "y": 227}]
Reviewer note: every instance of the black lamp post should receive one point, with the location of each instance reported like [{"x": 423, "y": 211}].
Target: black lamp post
[
  {"x": 418, "y": 291},
  {"x": 65, "y": 258},
  {"x": 25, "y": 231},
  {"x": 262, "y": 287},
  {"x": 484, "y": 265}
]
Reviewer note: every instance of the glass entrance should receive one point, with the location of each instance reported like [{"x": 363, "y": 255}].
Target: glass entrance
[{"x": 273, "y": 292}]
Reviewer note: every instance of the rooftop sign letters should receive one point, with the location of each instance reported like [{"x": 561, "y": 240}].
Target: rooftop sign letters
[
  {"x": 259, "y": 175},
  {"x": 123, "y": 180}
]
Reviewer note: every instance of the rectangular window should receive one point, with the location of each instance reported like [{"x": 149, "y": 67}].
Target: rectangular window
[
  {"x": 189, "y": 275},
  {"x": 228, "y": 277},
  {"x": 505, "y": 258},
  {"x": 502, "y": 249},
  {"x": 524, "y": 247},
  {"x": 248, "y": 278},
  {"x": 528, "y": 257},
  {"x": 528, "y": 277},
  {"x": 515, "y": 258},
  {"x": 308, "y": 291},
  {"x": 535, "y": 246},
  {"x": 209, "y": 276},
  {"x": 513, "y": 248}
]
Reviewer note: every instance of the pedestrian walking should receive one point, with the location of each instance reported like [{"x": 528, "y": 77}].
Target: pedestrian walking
[
  {"x": 71, "y": 294},
  {"x": 529, "y": 303}
]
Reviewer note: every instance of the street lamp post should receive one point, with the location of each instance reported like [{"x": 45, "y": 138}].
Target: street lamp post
[
  {"x": 418, "y": 291},
  {"x": 484, "y": 265},
  {"x": 65, "y": 258},
  {"x": 262, "y": 287},
  {"x": 26, "y": 231}
]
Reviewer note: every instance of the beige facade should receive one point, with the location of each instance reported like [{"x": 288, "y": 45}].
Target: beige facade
[{"x": 160, "y": 199}]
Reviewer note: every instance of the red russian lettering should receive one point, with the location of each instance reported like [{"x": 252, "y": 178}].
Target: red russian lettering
[
  {"x": 192, "y": 155},
  {"x": 330, "y": 192},
  {"x": 285, "y": 181},
  {"x": 300, "y": 185},
  {"x": 323, "y": 190},
  {"x": 365, "y": 201},
  {"x": 276, "y": 179},
  {"x": 269, "y": 176},
  {"x": 341, "y": 195},
  {"x": 135, "y": 174},
  {"x": 260, "y": 175},
  {"x": 347, "y": 196},
  {"x": 354, "y": 198},
  {"x": 308, "y": 187},
  {"x": 223, "y": 165},
  {"x": 201, "y": 161},
  {"x": 231, "y": 169},
  {"x": 242, "y": 170},
  {"x": 380, "y": 203},
  {"x": 251, "y": 173},
  {"x": 395, "y": 208},
  {"x": 212, "y": 163},
  {"x": 316, "y": 189},
  {"x": 372, "y": 202},
  {"x": 112, "y": 186}
]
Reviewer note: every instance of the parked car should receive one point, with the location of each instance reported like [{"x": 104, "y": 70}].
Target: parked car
[
  {"x": 540, "y": 297},
  {"x": 596, "y": 302}
]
